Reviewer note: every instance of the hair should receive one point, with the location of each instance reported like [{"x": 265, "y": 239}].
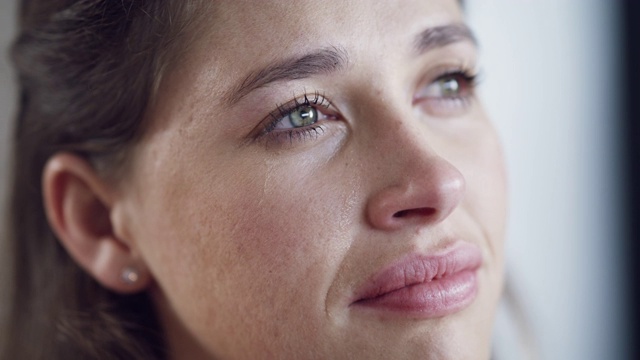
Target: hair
[{"x": 87, "y": 71}]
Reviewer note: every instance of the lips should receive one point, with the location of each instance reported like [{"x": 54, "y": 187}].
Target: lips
[{"x": 424, "y": 286}]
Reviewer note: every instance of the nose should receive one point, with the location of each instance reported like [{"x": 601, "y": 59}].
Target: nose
[{"x": 420, "y": 188}]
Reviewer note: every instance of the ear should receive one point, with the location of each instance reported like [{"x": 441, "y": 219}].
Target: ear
[{"x": 82, "y": 208}]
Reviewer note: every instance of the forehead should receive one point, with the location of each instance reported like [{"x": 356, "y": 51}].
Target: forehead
[
  {"x": 236, "y": 36},
  {"x": 255, "y": 26}
]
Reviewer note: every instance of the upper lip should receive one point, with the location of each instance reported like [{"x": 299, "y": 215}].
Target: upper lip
[{"x": 417, "y": 268}]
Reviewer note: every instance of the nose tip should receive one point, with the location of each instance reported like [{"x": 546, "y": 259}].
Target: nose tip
[{"x": 422, "y": 198}]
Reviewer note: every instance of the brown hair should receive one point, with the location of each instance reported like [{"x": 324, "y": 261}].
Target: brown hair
[{"x": 87, "y": 70}]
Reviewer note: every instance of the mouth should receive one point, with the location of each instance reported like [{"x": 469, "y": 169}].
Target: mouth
[{"x": 424, "y": 286}]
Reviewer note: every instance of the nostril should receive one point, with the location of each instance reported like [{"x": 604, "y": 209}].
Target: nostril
[{"x": 420, "y": 212}]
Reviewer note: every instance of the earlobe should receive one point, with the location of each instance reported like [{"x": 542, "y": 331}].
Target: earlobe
[{"x": 79, "y": 206}]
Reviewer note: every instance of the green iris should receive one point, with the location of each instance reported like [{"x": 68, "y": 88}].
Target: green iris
[
  {"x": 303, "y": 116},
  {"x": 450, "y": 87}
]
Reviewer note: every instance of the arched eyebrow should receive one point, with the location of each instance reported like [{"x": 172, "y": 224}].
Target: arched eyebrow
[
  {"x": 321, "y": 61},
  {"x": 440, "y": 36},
  {"x": 332, "y": 59}
]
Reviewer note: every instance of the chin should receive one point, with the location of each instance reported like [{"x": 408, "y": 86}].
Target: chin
[{"x": 455, "y": 337}]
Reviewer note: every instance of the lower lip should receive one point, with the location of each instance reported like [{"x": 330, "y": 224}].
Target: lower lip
[{"x": 455, "y": 290}]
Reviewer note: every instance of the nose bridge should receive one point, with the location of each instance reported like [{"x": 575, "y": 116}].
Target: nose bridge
[
  {"x": 403, "y": 143},
  {"x": 415, "y": 184}
]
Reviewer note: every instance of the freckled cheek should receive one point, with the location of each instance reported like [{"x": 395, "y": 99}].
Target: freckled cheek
[
  {"x": 249, "y": 254},
  {"x": 291, "y": 225},
  {"x": 286, "y": 220},
  {"x": 278, "y": 229}
]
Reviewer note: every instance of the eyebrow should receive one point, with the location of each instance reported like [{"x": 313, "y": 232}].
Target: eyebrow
[
  {"x": 441, "y": 36},
  {"x": 322, "y": 61},
  {"x": 332, "y": 59}
]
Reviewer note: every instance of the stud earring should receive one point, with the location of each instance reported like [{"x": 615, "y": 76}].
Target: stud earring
[{"x": 130, "y": 275}]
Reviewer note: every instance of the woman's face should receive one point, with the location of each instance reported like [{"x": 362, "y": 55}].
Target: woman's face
[{"x": 318, "y": 180}]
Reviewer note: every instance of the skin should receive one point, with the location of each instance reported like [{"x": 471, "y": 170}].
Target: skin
[{"x": 253, "y": 246}]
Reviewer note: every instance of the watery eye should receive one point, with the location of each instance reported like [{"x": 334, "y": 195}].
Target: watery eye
[{"x": 303, "y": 116}]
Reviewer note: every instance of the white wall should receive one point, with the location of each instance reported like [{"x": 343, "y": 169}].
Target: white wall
[{"x": 550, "y": 86}]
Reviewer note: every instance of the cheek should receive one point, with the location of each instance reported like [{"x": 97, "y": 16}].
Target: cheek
[
  {"x": 485, "y": 200},
  {"x": 259, "y": 247},
  {"x": 288, "y": 230},
  {"x": 283, "y": 228},
  {"x": 488, "y": 188}
]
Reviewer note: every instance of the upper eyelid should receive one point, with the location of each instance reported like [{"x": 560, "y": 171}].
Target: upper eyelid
[
  {"x": 455, "y": 56},
  {"x": 471, "y": 77},
  {"x": 448, "y": 69}
]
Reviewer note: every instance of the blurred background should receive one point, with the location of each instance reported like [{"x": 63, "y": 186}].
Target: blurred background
[
  {"x": 555, "y": 82},
  {"x": 556, "y": 86}
]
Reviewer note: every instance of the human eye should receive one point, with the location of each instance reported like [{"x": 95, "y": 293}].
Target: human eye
[
  {"x": 299, "y": 119},
  {"x": 448, "y": 94}
]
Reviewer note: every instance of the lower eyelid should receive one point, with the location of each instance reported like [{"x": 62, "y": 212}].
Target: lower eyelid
[
  {"x": 289, "y": 136},
  {"x": 445, "y": 107}
]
